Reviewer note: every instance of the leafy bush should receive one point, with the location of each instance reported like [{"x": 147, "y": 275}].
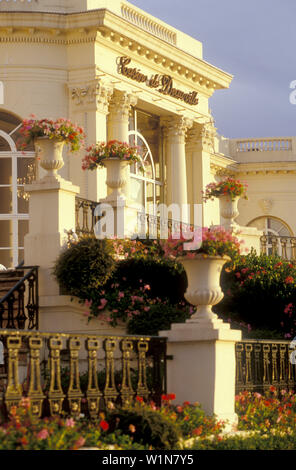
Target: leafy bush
[
  {"x": 167, "y": 279},
  {"x": 85, "y": 266},
  {"x": 259, "y": 291},
  {"x": 159, "y": 317},
  {"x": 23, "y": 431},
  {"x": 146, "y": 290},
  {"x": 278, "y": 441},
  {"x": 146, "y": 425}
]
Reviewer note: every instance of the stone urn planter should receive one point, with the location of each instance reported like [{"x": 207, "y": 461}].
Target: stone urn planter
[
  {"x": 229, "y": 210},
  {"x": 116, "y": 176},
  {"x": 50, "y": 153},
  {"x": 204, "y": 290}
]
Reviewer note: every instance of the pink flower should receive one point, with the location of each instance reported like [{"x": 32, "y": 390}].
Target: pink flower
[
  {"x": 79, "y": 443},
  {"x": 70, "y": 423},
  {"x": 43, "y": 434},
  {"x": 103, "y": 304},
  {"x": 120, "y": 295}
]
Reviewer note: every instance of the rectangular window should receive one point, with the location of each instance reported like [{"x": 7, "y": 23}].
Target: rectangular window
[{"x": 5, "y": 200}]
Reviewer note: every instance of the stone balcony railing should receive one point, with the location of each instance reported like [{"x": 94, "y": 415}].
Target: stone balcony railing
[{"x": 272, "y": 149}]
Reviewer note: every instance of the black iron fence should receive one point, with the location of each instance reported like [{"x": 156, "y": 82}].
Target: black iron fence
[
  {"x": 264, "y": 363},
  {"x": 19, "y": 307},
  {"x": 81, "y": 373}
]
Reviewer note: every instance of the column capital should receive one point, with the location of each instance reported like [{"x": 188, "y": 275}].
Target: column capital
[
  {"x": 176, "y": 127},
  {"x": 121, "y": 103},
  {"x": 92, "y": 94},
  {"x": 201, "y": 136}
]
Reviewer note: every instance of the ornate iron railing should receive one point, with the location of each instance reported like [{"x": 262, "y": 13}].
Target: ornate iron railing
[
  {"x": 262, "y": 363},
  {"x": 155, "y": 226},
  {"x": 276, "y": 245},
  {"x": 81, "y": 373},
  {"x": 84, "y": 216},
  {"x": 19, "y": 307}
]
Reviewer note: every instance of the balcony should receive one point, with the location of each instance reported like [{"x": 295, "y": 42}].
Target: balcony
[{"x": 274, "y": 149}]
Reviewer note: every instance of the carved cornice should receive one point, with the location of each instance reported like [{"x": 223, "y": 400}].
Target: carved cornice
[{"x": 104, "y": 26}]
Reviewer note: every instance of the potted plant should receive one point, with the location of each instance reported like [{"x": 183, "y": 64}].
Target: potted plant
[
  {"x": 203, "y": 254},
  {"x": 229, "y": 191},
  {"x": 115, "y": 156},
  {"x": 49, "y": 137}
]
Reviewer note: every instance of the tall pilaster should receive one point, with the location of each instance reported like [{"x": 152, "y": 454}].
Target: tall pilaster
[
  {"x": 118, "y": 123},
  {"x": 175, "y": 131},
  {"x": 200, "y": 146},
  {"x": 90, "y": 104}
]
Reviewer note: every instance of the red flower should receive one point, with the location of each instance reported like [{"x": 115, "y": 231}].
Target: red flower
[
  {"x": 197, "y": 431},
  {"x": 104, "y": 425},
  {"x": 289, "y": 280},
  {"x": 140, "y": 399}
]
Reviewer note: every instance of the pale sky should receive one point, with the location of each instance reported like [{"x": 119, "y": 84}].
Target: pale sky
[{"x": 254, "y": 40}]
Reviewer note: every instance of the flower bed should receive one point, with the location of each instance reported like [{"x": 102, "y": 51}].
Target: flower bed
[{"x": 265, "y": 422}]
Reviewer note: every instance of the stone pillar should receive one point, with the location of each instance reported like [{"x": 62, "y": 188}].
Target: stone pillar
[
  {"x": 52, "y": 212},
  {"x": 118, "y": 122},
  {"x": 90, "y": 106},
  {"x": 175, "y": 131},
  {"x": 202, "y": 368},
  {"x": 200, "y": 145}
]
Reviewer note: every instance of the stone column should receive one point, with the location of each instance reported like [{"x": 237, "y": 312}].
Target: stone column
[
  {"x": 118, "y": 123},
  {"x": 90, "y": 106},
  {"x": 200, "y": 145},
  {"x": 175, "y": 131}
]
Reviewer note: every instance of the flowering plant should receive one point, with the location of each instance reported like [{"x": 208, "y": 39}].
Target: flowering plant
[
  {"x": 98, "y": 153},
  {"x": 213, "y": 241},
  {"x": 61, "y": 129},
  {"x": 260, "y": 291},
  {"x": 275, "y": 410},
  {"x": 226, "y": 187}
]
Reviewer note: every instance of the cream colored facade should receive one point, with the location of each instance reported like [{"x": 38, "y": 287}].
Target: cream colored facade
[
  {"x": 103, "y": 64},
  {"x": 62, "y": 59}
]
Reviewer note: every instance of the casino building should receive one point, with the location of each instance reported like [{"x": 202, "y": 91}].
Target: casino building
[{"x": 123, "y": 74}]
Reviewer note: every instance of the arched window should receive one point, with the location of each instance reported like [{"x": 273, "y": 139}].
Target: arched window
[
  {"x": 146, "y": 176},
  {"x": 14, "y": 168},
  {"x": 277, "y": 235}
]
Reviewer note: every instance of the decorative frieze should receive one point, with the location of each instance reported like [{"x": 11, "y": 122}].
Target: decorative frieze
[
  {"x": 94, "y": 93},
  {"x": 266, "y": 205}
]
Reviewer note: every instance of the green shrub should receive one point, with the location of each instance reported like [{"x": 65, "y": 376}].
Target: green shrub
[
  {"x": 159, "y": 317},
  {"x": 147, "y": 426},
  {"x": 259, "y": 293},
  {"x": 255, "y": 442},
  {"x": 167, "y": 279},
  {"x": 84, "y": 266}
]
